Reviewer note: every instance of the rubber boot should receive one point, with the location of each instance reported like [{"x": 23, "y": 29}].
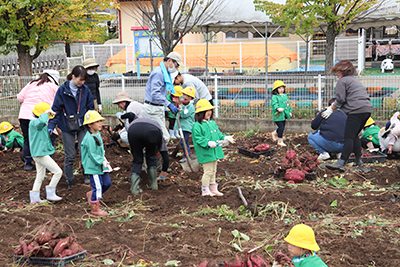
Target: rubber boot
[
  {"x": 339, "y": 165},
  {"x": 280, "y": 142},
  {"x": 35, "y": 197},
  {"x": 177, "y": 134},
  {"x": 214, "y": 190},
  {"x": 28, "y": 164},
  {"x": 172, "y": 134},
  {"x": 153, "y": 178},
  {"x": 135, "y": 189},
  {"x": 95, "y": 207},
  {"x": 51, "y": 194},
  {"x": 205, "y": 191},
  {"x": 89, "y": 196},
  {"x": 274, "y": 135}
]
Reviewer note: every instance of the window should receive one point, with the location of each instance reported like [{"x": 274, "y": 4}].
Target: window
[{"x": 230, "y": 35}]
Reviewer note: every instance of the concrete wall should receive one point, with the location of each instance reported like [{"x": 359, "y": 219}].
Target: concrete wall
[{"x": 229, "y": 125}]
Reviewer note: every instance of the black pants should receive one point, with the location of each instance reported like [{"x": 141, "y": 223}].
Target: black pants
[
  {"x": 165, "y": 158},
  {"x": 365, "y": 141},
  {"x": 354, "y": 124},
  {"x": 144, "y": 135},
  {"x": 26, "y": 152},
  {"x": 171, "y": 123},
  {"x": 281, "y": 128}
]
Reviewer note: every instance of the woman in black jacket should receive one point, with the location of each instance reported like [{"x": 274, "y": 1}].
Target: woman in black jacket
[{"x": 93, "y": 82}]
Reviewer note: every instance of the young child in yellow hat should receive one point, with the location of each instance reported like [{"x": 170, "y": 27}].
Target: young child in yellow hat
[
  {"x": 9, "y": 138},
  {"x": 302, "y": 247}
]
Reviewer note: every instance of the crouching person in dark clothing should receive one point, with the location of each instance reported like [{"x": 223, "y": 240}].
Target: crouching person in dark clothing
[{"x": 145, "y": 133}]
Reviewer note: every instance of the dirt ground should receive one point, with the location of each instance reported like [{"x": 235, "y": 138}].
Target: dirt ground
[{"x": 356, "y": 223}]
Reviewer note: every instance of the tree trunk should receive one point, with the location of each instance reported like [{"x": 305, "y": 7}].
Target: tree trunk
[
  {"x": 68, "y": 49},
  {"x": 329, "y": 51},
  {"x": 24, "y": 60}
]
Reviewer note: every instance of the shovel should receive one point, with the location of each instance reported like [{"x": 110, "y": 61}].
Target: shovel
[{"x": 191, "y": 165}]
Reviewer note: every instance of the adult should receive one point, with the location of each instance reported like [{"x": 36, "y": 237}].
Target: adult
[
  {"x": 329, "y": 133},
  {"x": 188, "y": 80},
  {"x": 93, "y": 82},
  {"x": 157, "y": 86},
  {"x": 145, "y": 133},
  {"x": 353, "y": 99},
  {"x": 39, "y": 90},
  {"x": 124, "y": 102},
  {"x": 389, "y": 138},
  {"x": 72, "y": 101}
]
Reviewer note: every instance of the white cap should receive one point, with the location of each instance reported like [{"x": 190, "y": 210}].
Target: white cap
[
  {"x": 177, "y": 57},
  {"x": 55, "y": 75}
]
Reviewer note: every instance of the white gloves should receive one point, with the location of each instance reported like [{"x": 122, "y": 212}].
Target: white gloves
[
  {"x": 290, "y": 114},
  {"x": 280, "y": 109},
  {"x": 100, "y": 108},
  {"x": 230, "y": 139},
  {"x": 106, "y": 165},
  {"x": 223, "y": 143},
  {"x": 276, "y": 264},
  {"x": 327, "y": 113},
  {"x": 212, "y": 144},
  {"x": 50, "y": 112}
]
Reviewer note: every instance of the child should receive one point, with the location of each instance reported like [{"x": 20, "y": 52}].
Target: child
[
  {"x": 302, "y": 247},
  {"x": 206, "y": 137},
  {"x": 370, "y": 138},
  {"x": 281, "y": 110},
  {"x": 41, "y": 149},
  {"x": 174, "y": 99},
  {"x": 186, "y": 116},
  {"x": 10, "y": 139},
  {"x": 93, "y": 161}
]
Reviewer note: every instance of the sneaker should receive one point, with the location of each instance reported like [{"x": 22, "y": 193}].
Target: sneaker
[
  {"x": 182, "y": 160},
  {"x": 28, "y": 166},
  {"x": 324, "y": 156}
]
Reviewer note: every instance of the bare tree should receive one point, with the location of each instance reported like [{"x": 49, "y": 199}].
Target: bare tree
[{"x": 173, "y": 19}]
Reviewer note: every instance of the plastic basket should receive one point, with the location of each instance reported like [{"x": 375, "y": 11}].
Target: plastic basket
[
  {"x": 256, "y": 155},
  {"x": 376, "y": 156},
  {"x": 56, "y": 262}
]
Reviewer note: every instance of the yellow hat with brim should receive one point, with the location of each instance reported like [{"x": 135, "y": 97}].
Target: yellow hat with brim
[
  {"x": 278, "y": 84},
  {"x": 190, "y": 91},
  {"x": 369, "y": 122},
  {"x": 302, "y": 236},
  {"x": 178, "y": 91},
  {"x": 92, "y": 116},
  {"x": 40, "y": 108},
  {"x": 5, "y": 126},
  {"x": 203, "y": 105}
]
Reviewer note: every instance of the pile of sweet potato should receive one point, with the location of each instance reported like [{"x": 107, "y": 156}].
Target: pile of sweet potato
[
  {"x": 48, "y": 245},
  {"x": 296, "y": 166},
  {"x": 258, "y": 148}
]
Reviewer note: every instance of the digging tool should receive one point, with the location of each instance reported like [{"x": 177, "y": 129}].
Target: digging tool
[{"x": 191, "y": 165}]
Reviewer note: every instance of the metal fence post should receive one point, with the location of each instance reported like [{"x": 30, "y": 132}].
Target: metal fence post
[
  {"x": 123, "y": 82},
  {"x": 319, "y": 77},
  {"x": 240, "y": 56},
  {"x": 216, "y": 95}
]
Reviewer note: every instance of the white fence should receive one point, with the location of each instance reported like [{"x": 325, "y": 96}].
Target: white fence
[{"x": 237, "y": 96}]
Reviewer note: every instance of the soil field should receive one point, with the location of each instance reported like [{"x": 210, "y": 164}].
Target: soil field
[{"x": 355, "y": 221}]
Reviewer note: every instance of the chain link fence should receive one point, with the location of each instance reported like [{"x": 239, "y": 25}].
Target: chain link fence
[{"x": 237, "y": 96}]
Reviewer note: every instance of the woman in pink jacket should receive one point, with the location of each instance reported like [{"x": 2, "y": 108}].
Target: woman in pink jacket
[{"x": 42, "y": 89}]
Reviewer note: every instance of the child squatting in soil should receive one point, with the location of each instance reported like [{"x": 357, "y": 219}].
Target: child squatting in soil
[
  {"x": 370, "y": 138},
  {"x": 94, "y": 162},
  {"x": 281, "y": 110},
  {"x": 186, "y": 117},
  {"x": 302, "y": 247},
  {"x": 9, "y": 138},
  {"x": 207, "y": 141},
  {"x": 41, "y": 149}
]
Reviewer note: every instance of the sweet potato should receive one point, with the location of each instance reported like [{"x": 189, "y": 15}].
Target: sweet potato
[
  {"x": 283, "y": 259},
  {"x": 75, "y": 247},
  {"x": 33, "y": 248},
  {"x": 53, "y": 243},
  {"x": 47, "y": 251},
  {"x": 262, "y": 147},
  {"x": 294, "y": 175},
  {"x": 256, "y": 261},
  {"x": 290, "y": 154},
  {"x": 24, "y": 247},
  {"x": 44, "y": 237},
  {"x": 66, "y": 253},
  {"x": 62, "y": 245},
  {"x": 18, "y": 251}
]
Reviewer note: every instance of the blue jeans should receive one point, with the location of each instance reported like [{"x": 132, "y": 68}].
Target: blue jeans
[
  {"x": 186, "y": 137},
  {"x": 322, "y": 145}
]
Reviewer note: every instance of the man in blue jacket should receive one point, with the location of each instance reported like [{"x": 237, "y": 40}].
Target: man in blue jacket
[
  {"x": 72, "y": 98},
  {"x": 329, "y": 133},
  {"x": 157, "y": 87}
]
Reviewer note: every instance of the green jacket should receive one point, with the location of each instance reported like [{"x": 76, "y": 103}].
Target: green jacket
[
  {"x": 371, "y": 133},
  {"x": 310, "y": 261},
  {"x": 280, "y": 101},
  {"x": 186, "y": 118},
  {"x": 201, "y": 134},
  {"x": 2, "y": 140},
  {"x": 9, "y": 138},
  {"x": 39, "y": 138},
  {"x": 92, "y": 155}
]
